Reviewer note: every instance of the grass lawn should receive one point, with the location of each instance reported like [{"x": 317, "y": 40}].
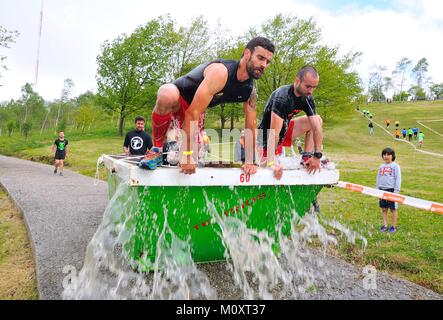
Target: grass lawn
[
  {"x": 415, "y": 252},
  {"x": 17, "y": 268}
]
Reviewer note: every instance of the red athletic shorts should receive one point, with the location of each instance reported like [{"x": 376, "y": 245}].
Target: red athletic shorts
[
  {"x": 179, "y": 116},
  {"x": 286, "y": 142}
]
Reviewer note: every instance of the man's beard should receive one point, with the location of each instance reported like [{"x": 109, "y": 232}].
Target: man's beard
[
  {"x": 300, "y": 92},
  {"x": 250, "y": 69}
]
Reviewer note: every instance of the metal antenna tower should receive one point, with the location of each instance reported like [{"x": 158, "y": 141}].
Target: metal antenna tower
[{"x": 38, "y": 46}]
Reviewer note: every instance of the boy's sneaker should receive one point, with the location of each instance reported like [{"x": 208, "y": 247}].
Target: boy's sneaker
[
  {"x": 384, "y": 228},
  {"x": 316, "y": 206},
  {"x": 55, "y": 171},
  {"x": 61, "y": 173},
  {"x": 152, "y": 159},
  {"x": 392, "y": 229}
]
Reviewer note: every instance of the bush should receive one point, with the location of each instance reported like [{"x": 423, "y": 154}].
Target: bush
[
  {"x": 10, "y": 126},
  {"x": 26, "y": 129}
]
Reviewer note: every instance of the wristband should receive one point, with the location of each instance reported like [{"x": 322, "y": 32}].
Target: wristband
[{"x": 188, "y": 153}]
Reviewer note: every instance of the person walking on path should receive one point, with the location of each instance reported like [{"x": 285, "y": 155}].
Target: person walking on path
[
  {"x": 404, "y": 132},
  {"x": 389, "y": 179},
  {"x": 415, "y": 130},
  {"x": 60, "y": 147},
  {"x": 371, "y": 128},
  {"x": 421, "y": 137},
  {"x": 410, "y": 133}
]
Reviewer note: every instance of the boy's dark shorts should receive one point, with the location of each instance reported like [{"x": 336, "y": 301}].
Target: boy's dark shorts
[{"x": 386, "y": 203}]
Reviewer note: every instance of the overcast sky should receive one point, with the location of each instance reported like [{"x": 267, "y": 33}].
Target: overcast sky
[{"x": 73, "y": 30}]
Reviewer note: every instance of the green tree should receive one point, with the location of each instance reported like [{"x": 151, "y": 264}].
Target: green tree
[
  {"x": 420, "y": 70},
  {"x": 68, "y": 84},
  {"x": 339, "y": 86},
  {"x": 417, "y": 93},
  {"x": 26, "y": 129},
  {"x": 31, "y": 105},
  {"x": 376, "y": 83},
  {"x": 62, "y": 125},
  {"x": 437, "y": 90},
  {"x": 10, "y": 127},
  {"x": 130, "y": 68},
  {"x": 192, "y": 47},
  {"x": 401, "y": 96},
  {"x": 401, "y": 70},
  {"x": 224, "y": 47},
  {"x": 297, "y": 43},
  {"x": 85, "y": 116},
  {"x": 6, "y": 38},
  {"x": 87, "y": 111}
]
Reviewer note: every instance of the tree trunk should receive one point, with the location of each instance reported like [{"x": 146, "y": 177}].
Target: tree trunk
[
  {"x": 121, "y": 121},
  {"x": 58, "y": 116},
  {"x": 222, "y": 116},
  {"x": 44, "y": 122},
  {"x": 232, "y": 119}
]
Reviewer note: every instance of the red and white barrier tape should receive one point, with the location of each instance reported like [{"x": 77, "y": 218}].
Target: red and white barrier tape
[{"x": 395, "y": 197}]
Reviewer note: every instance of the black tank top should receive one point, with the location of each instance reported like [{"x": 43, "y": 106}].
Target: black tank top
[{"x": 234, "y": 90}]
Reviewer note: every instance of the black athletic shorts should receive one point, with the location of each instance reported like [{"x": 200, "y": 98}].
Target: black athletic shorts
[{"x": 60, "y": 155}]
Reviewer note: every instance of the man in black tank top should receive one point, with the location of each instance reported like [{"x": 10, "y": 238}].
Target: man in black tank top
[
  {"x": 212, "y": 83},
  {"x": 282, "y": 105}
]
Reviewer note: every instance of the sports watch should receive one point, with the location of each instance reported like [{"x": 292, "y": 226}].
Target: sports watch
[{"x": 318, "y": 154}]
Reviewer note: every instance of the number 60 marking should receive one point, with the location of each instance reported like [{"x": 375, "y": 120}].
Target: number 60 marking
[{"x": 245, "y": 177}]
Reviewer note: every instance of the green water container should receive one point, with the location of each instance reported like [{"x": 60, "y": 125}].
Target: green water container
[{"x": 195, "y": 205}]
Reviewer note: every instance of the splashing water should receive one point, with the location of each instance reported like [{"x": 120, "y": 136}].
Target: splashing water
[
  {"x": 109, "y": 273},
  {"x": 262, "y": 266},
  {"x": 287, "y": 272}
]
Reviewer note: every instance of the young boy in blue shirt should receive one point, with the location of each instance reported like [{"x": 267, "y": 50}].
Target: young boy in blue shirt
[{"x": 389, "y": 179}]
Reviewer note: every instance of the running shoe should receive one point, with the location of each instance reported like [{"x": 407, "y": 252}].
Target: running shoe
[
  {"x": 384, "y": 229},
  {"x": 392, "y": 229},
  {"x": 152, "y": 159}
]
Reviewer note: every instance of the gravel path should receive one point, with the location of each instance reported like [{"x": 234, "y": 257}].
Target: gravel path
[{"x": 62, "y": 214}]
